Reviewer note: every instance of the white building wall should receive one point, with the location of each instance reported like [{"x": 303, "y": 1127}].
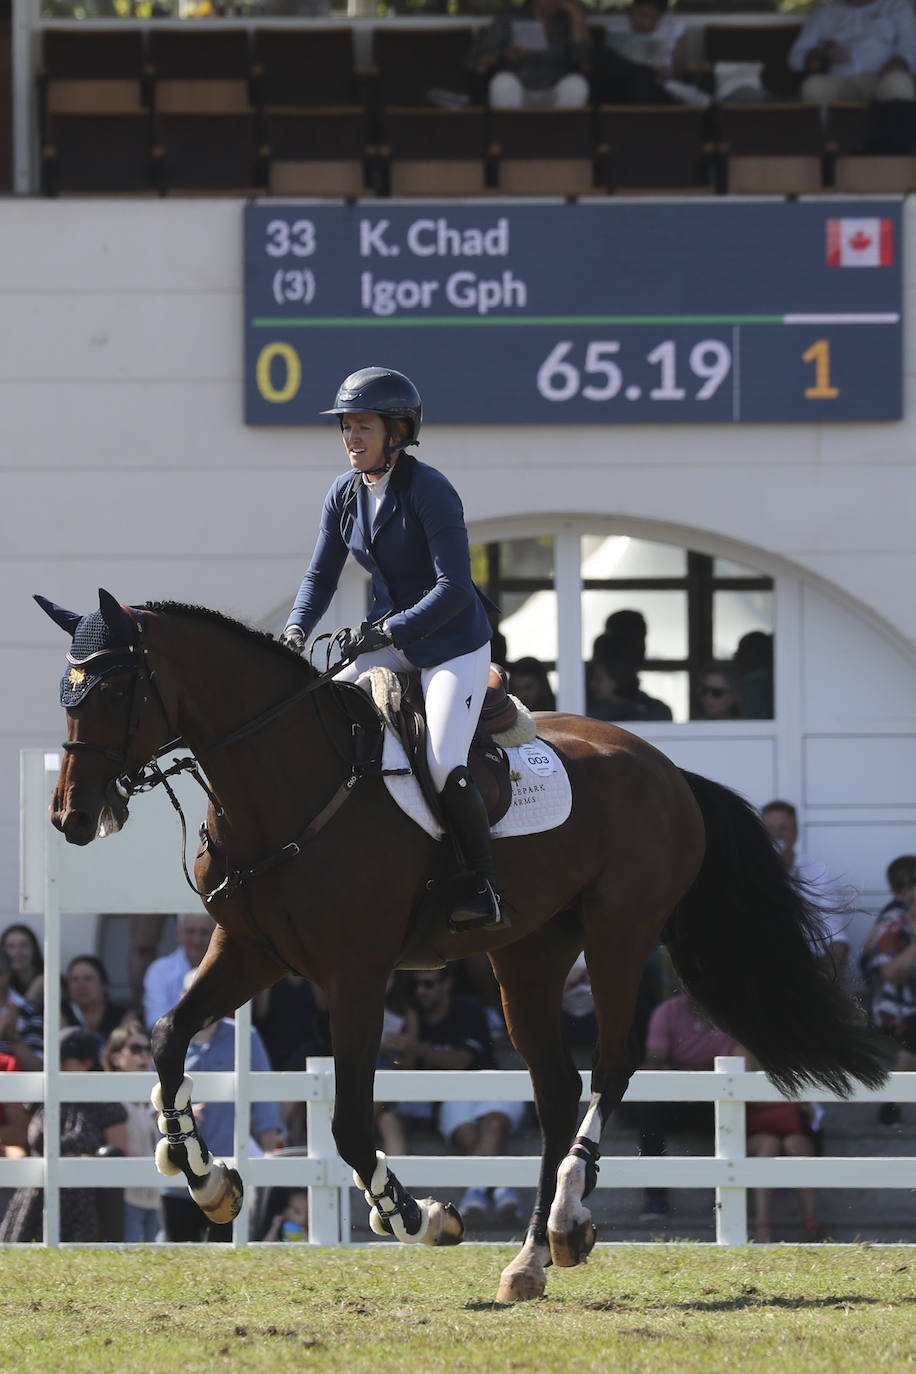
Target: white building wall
[{"x": 126, "y": 464}]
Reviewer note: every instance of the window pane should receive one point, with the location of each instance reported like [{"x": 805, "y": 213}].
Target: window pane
[
  {"x": 621, "y": 556},
  {"x": 529, "y": 623},
  {"x": 735, "y": 614},
  {"x": 724, "y": 567},
  {"x": 526, "y": 557},
  {"x": 665, "y": 614}
]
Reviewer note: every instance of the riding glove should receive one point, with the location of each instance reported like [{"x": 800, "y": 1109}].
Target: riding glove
[
  {"x": 294, "y": 639},
  {"x": 366, "y": 639}
]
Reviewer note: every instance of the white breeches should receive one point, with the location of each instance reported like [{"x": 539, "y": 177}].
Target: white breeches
[
  {"x": 506, "y": 92},
  {"x": 454, "y": 693}
]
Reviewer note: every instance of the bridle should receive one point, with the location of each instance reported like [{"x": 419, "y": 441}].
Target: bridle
[{"x": 136, "y": 776}]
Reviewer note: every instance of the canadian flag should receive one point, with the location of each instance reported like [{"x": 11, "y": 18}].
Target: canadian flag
[{"x": 860, "y": 242}]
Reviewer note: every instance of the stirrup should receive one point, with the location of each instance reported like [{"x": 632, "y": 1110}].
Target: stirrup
[{"x": 492, "y": 919}]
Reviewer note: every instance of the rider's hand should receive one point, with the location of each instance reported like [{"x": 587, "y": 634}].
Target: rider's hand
[
  {"x": 294, "y": 639},
  {"x": 366, "y": 639}
]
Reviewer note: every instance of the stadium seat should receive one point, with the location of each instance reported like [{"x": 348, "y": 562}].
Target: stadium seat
[
  {"x": 771, "y": 149},
  {"x": 316, "y": 152},
  {"x": 210, "y": 153},
  {"x": 653, "y": 148},
  {"x": 434, "y": 152},
  {"x": 88, "y": 153},
  {"x": 200, "y": 70},
  {"x": 91, "y": 72},
  {"x": 304, "y": 67},
  {"x": 409, "y": 63},
  {"x": 544, "y": 152}
]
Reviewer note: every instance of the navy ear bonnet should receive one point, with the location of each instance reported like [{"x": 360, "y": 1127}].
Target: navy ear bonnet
[{"x": 98, "y": 648}]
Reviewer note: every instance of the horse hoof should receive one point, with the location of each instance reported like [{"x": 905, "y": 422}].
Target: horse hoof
[
  {"x": 445, "y": 1224},
  {"x": 224, "y": 1200},
  {"x": 569, "y": 1248},
  {"x": 520, "y": 1285}
]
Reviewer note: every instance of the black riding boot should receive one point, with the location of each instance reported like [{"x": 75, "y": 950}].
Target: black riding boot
[{"x": 466, "y": 816}]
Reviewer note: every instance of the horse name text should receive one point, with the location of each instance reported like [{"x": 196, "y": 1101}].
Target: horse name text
[{"x": 463, "y": 290}]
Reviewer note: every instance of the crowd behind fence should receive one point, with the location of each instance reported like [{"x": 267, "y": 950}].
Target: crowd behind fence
[{"x": 729, "y": 1170}]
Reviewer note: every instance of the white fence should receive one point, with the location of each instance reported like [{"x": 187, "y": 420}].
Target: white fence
[
  {"x": 729, "y": 1170},
  {"x": 139, "y": 872}
]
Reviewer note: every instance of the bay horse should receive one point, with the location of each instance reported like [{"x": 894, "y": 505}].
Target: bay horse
[{"x": 307, "y": 864}]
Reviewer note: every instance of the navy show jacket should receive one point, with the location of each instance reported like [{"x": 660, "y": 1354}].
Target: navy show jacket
[{"x": 417, "y": 557}]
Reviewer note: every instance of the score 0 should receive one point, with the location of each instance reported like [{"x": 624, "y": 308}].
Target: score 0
[
  {"x": 292, "y": 367},
  {"x": 819, "y": 354}
]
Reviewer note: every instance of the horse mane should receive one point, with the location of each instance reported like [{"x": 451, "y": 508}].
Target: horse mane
[{"x": 236, "y": 627}]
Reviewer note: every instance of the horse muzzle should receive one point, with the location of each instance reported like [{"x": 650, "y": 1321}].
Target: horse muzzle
[{"x": 81, "y": 824}]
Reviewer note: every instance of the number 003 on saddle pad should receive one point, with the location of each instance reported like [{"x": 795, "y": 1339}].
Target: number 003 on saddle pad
[{"x": 541, "y": 794}]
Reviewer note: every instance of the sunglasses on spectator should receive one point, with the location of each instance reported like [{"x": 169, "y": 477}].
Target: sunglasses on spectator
[
  {"x": 136, "y": 1048},
  {"x": 706, "y": 691}
]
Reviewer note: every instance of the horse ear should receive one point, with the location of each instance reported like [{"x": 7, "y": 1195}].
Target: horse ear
[
  {"x": 67, "y": 620},
  {"x": 118, "y": 620}
]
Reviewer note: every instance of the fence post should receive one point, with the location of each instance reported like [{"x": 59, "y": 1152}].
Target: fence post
[
  {"x": 242, "y": 1087},
  {"x": 731, "y": 1144},
  {"x": 51, "y": 1062},
  {"x": 324, "y": 1202}
]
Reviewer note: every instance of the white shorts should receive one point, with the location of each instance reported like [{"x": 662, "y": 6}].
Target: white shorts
[
  {"x": 454, "y": 693},
  {"x": 455, "y": 1114}
]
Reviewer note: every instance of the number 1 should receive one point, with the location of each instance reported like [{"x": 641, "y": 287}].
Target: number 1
[{"x": 819, "y": 354}]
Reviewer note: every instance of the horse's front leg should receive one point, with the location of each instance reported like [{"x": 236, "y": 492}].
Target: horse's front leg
[
  {"x": 227, "y": 978},
  {"x": 356, "y": 1020}
]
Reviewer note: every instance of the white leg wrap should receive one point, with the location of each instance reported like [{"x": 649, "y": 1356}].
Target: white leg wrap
[
  {"x": 379, "y": 1175},
  {"x": 199, "y": 1164},
  {"x": 385, "y": 1206},
  {"x": 163, "y": 1163},
  {"x": 211, "y": 1188},
  {"x": 182, "y": 1096}
]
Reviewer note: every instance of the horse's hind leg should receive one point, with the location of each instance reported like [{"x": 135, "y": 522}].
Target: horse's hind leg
[
  {"x": 615, "y": 967},
  {"x": 531, "y": 974},
  {"x": 228, "y": 976}
]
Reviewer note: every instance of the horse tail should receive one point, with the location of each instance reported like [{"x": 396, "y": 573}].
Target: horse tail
[{"x": 743, "y": 941}]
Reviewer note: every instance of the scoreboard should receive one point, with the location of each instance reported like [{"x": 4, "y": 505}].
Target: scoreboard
[{"x": 598, "y": 312}]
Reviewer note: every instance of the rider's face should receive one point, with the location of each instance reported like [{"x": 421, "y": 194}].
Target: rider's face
[{"x": 364, "y": 439}]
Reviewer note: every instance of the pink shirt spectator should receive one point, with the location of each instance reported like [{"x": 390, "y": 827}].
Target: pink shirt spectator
[{"x": 679, "y": 1034}]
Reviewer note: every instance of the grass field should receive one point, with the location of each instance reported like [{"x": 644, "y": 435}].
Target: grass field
[{"x": 674, "y": 1307}]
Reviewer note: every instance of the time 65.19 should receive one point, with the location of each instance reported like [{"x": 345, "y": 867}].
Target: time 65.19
[{"x": 566, "y": 373}]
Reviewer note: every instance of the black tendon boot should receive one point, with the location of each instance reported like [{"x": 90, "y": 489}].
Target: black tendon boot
[{"x": 466, "y": 816}]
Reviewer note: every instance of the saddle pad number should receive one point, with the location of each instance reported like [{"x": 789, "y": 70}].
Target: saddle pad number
[{"x": 538, "y": 759}]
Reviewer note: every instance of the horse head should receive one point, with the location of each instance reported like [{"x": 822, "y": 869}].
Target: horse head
[{"x": 104, "y": 691}]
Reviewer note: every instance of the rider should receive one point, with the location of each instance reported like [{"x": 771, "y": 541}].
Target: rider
[{"x": 404, "y": 523}]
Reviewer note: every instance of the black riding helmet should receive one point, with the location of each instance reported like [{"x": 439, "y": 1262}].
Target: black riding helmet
[{"x": 381, "y": 391}]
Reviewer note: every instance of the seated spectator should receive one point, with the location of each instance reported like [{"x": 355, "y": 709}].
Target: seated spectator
[
  {"x": 21, "y": 1024},
  {"x": 535, "y": 55},
  {"x": 212, "y": 1050},
  {"x": 529, "y": 682},
  {"x": 128, "y": 1051},
  {"x": 754, "y": 660},
  {"x": 165, "y": 977},
  {"x": 901, "y": 879},
  {"x": 617, "y": 656},
  {"x": 893, "y": 959},
  {"x": 719, "y": 693},
  {"x": 14, "y": 1119},
  {"x": 85, "y": 1129},
  {"x": 453, "y": 1034},
  {"x": 782, "y": 1128},
  {"x": 860, "y": 50},
  {"x": 145, "y": 933},
  {"x": 580, "y": 1028},
  {"x": 643, "y": 61},
  {"x": 87, "y": 1002},
  {"x": 292, "y": 1020},
  {"x": 400, "y": 1025},
  {"x": 293, "y": 1222},
  {"x": 821, "y": 888},
  {"x": 679, "y": 1037},
  {"x": 20, "y": 945}
]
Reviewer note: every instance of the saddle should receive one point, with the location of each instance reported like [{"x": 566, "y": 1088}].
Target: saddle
[{"x": 488, "y": 764}]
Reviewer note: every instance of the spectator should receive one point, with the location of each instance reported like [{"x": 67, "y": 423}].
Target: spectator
[
  {"x": 293, "y": 1222},
  {"x": 128, "y": 1051},
  {"x": 535, "y": 56},
  {"x": 453, "y": 1034},
  {"x": 679, "y": 1037},
  {"x": 400, "y": 1026},
  {"x": 820, "y": 887},
  {"x": 720, "y": 693},
  {"x": 212, "y": 1050},
  {"x": 580, "y": 1028},
  {"x": 14, "y": 1119},
  {"x": 87, "y": 1003},
  {"x": 85, "y": 1129},
  {"x": 617, "y": 656},
  {"x": 857, "y": 50},
  {"x": 20, "y": 944},
  {"x": 165, "y": 977},
  {"x": 292, "y": 1020},
  {"x": 145, "y": 933},
  {"x": 782, "y": 1128},
  {"x": 21, "y": 1024},
  {"x": 643, "y": 61},
  {"x": 754, "y": 660},
  {"x": 499, "y": 654},
  {"x": 528, "y": 681},
  {"x": 901, "y": 879},
  {"x": 894, "y": 1004}
]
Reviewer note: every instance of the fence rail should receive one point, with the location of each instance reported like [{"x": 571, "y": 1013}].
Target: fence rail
[{"x": 730, "y": 1171}]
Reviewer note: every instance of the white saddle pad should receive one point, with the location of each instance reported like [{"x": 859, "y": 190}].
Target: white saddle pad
[{"x": 541, "y": 794}]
